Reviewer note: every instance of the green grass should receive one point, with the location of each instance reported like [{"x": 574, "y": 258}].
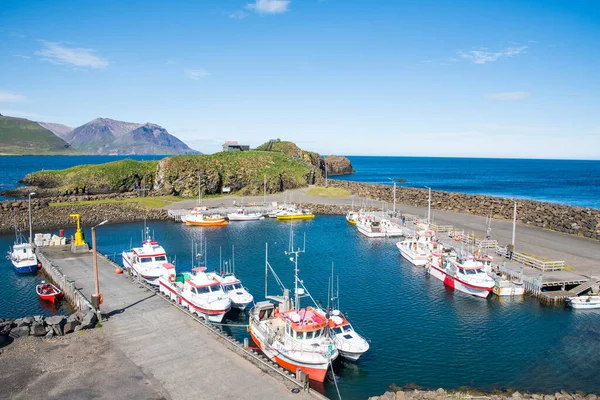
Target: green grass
[
  {"x": 148, "y": 202},
  {"x": 331, "y": 192},
  {"x": 20, "y": 136},
  {"x": 121, "y": 174}
]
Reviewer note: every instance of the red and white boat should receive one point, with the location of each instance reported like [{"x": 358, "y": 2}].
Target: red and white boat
[
  {"x": 201, "y": 294},
  {"x": 49, "y": 292},
  {"x": 292, "y": 336},
  {"x": 146, "y": 261},
  {"x": 466, "y": 274}
]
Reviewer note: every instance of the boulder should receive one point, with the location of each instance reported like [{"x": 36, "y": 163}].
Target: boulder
[
  {"x": 388, "y": 396},
  {"x": 37, "y": 330},
  {"x": 19, "y": 331},
  {"x": 28, "y": 320},
  {"x": 56, "y": 320},
  {"x": 70, "y": 326},
  {"x": 73, "y": 317},
  {"x": 50, "y": 333},
  {"x": 89, "y": 321},
  {"x": 58, "y": 329},
  {"x": 400, "y": 395}
]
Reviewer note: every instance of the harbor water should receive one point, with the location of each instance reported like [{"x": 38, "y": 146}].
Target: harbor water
[{"x": 420, "y": 332}]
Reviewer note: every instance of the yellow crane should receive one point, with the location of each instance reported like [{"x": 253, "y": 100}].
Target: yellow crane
[{"x": 78, "y": 240}]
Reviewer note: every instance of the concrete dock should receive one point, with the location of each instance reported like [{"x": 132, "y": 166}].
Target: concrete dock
[{"x": 180, "y": 357}]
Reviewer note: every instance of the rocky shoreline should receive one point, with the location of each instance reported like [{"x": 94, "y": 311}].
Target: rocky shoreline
[
  {"x": 38, "y": 325},
  {"x": 397, "y": 393},
  {"x": 49, "y": 217}
]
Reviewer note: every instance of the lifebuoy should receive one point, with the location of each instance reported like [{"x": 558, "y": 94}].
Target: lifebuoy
[{"x": 171, "y": 278}]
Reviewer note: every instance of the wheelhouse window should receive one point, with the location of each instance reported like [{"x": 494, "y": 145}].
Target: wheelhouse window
[
  {"x": 160, "y": 258},
  {"x": 347, "y": 328},
  {"x": 337, "y": 330},
  {"x": 145, "y": 259},
  {"x": 480, "y": 271},
  {"x": 203, "y": 290},
  {"x": 309, "y": 335},
  {"x": 460, "y": 271}
]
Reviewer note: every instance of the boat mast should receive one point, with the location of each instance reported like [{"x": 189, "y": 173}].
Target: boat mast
[
  {"x": 294, "y": 259},
  {"x": 266, "y": 267},
  {"x": 232, "y": 260}
]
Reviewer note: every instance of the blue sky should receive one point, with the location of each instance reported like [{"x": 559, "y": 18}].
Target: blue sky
[{"x": 431, "y": 78}]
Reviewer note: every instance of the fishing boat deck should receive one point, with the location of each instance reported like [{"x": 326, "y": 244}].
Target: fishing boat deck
[{"x": 165, "y": 343}]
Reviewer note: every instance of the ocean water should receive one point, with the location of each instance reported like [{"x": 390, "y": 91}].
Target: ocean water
[
  {"x": 420, "y": 332},
  {"x": 14, "y": 168},
  {"x": 572, "y": 182}
]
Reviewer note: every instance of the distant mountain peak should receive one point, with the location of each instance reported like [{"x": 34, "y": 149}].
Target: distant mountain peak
[{"x": 109, "y": 136}]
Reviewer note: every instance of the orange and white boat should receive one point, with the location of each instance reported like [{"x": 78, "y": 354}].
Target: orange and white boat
[
  {"x": 196, "y": 218},
  {"x": 292, "y": 336}
]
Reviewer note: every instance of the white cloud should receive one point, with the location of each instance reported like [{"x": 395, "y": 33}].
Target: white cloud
[
  {"x": 239, "y": 14},
  {"x": 483, "y": 55},
  {"x": 56, "y": 53},
  {"x": 196, "y": 74},
  {"x": 269, "y": 6},
  {"x": 11, "y": 97},
  {"x": 508, "y": 96}
]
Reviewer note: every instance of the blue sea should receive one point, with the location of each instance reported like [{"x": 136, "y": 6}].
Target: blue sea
[
  {"x": 572, "y": 182},
  {"x": 420, "y": 332}
]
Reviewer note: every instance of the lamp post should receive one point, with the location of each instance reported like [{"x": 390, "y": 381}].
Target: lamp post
[
  {"x": 30, "y": 223},
  {"x": 96, "y": 301},
  {"x": 429, "y": 207},
  {"x": 514, "y": 225}
]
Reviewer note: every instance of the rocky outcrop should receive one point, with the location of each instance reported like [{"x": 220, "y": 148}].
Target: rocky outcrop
[
  {"x": 396, "y": 393},
  {"x": 338, "y": 165},
  {"x": 46, "y": 326}
]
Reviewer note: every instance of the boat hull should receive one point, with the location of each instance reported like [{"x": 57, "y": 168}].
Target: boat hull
[
  {"x": 294, "y": 217},
  {"x": 237, "y": 217},
  {"x": 451, "y": 282},
  {"x": 206, "y": 223},
  {"x": 212, "y": 315},
  {"x": 418, "y": 261},
  {"x": 352, "y": 356},
  {"x": 370, "y": 234},
  {"x": 579, "y": 304},
  {"x": 513, "y": 290},
  {"x": 25, "y": 268},
  {"x": 316, "y": 372}
]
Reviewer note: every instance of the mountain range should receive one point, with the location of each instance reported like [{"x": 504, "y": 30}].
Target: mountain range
[{"x": 101, "y": 136}]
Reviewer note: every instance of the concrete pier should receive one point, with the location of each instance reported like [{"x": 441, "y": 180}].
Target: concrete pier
[{"x": 181, "y": 357}]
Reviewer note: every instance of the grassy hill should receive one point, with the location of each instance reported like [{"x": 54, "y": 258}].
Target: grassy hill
[
  {"x": 112, "y": 177},
  {"x": 23, "y": 137},
  {"x": 178, "y": 175}
]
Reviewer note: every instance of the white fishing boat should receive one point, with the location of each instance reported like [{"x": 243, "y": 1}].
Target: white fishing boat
[
  {"x": 202, "y": 295},
  {"x": 352, "y": 217},
  {"x": 390, "y": 228},
  {"x": 242, "y": 215},
  {"x": 292, "y": 336},
  {"x": 370, "y": 228},
  {"x": 146, "y": 261},
  {"x": 465, "y": 274},
  {"x": 348, "y": 342},
  {"x": 196, "y": 217},
  {"x": 417, "y": 249},
  {"x": 22, "y": 257},
  {"x": 583, "y": 302},
  {"x": 232, "y": 286}
]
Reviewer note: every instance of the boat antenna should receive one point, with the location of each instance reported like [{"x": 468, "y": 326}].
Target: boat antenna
[
  {"x": 233, "y": 259},
  {"x": 220, "y": 260},
  {"x": 294, "y": 259},
  {"x": 338, "y": 292}
]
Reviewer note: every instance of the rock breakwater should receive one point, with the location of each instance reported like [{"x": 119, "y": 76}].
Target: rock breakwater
[
  {"x": 557, "y": 217},
  {"x": 396, "y": 393},
  {"x": 46, "y": 216},
  {"x": 57, "y": 325}
]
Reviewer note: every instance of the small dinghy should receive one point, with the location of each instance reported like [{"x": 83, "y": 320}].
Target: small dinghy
[{"x": 49, "y": 292}]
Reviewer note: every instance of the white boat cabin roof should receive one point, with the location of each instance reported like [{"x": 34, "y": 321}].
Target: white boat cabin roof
[{"x": 150, "y": 248}]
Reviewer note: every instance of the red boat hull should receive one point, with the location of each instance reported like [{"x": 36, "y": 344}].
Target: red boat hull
[{"x": 49, "y": 292}]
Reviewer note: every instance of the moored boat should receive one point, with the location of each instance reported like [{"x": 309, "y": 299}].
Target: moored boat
[
  {"x": 418, "y": 248},
  {"x": 295, "y": 214},
  {"x": 370, "y": 228},
  {"x": 196, "y": 218},
  {"x": 465, "y": 274},
  {"x": 232, "y": 286},
  {"x": 22, "y": 255},
  {"x": 583, "y": 302},
  {"x": 49, "y": 292},
  {"x": 202, "y": 295},
  {"x": 146, "y": 261},
  {"x": 349, "y": 343},
  {"x": 352, "y": 217},
  {"x": 292, "y": 336},
  {"x": 242, "y": 215}
]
